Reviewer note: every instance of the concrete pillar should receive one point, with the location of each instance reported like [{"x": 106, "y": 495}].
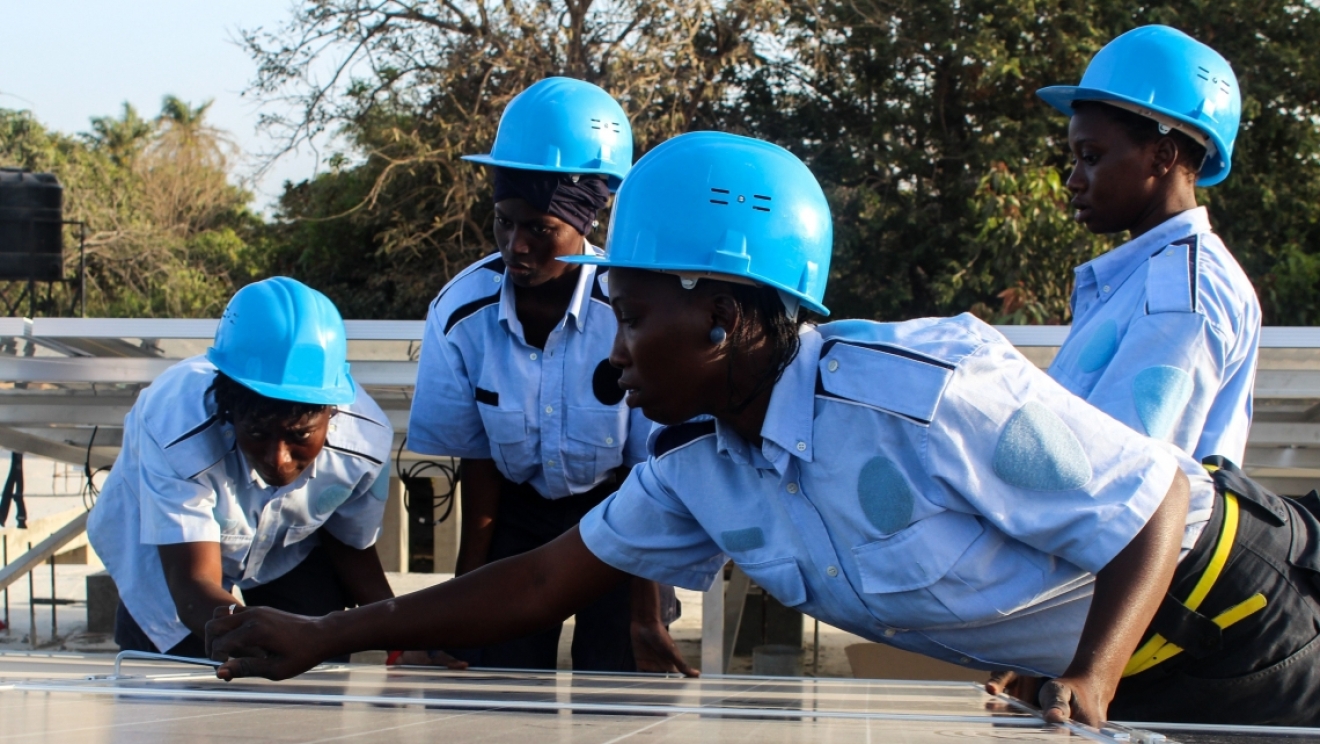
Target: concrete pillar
[{"x": 392, "y": 545}]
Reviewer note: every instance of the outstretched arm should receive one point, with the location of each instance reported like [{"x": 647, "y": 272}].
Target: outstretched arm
[
  {"x": 506, "y": 599},
  {"x": 1128, "y": 591}
]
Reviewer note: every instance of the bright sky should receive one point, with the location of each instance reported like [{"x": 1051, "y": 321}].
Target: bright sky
[{"x": 69, "y": 60}]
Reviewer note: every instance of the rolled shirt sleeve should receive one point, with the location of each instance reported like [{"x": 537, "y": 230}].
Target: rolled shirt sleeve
[
  {"x": 1042, "y": 465},
  {"x": 357, "y": 521},
  {"x": 444, "y": 419},
  {"x": 174, "y": 509},
  {"x": 645, "y": 530}
]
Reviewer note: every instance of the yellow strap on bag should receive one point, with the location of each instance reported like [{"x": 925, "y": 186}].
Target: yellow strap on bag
[
  {"x": 1240, "y": 611},
  {"x": 1153, "y": 651}
]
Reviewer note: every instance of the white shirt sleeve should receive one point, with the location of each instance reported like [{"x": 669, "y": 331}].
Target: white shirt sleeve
[{"x": 444, "y": 418}]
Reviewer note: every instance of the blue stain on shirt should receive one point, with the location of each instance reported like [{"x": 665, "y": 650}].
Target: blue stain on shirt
[
  {"x": 330, "y": 499},
  {"x": 1037, "y": 451},
  {"x": 1100, "y": 348},
  {"x": 1161, "y": 393},
  {"x": 884, "y": 494},
  {"x": 737, "y": 541}
]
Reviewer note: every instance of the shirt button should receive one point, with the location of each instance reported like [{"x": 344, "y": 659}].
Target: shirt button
[
  {"x": 549, "y": 463},
  {"x": 890, "y": 632},
  {"x": 832, "y": 571},
  {"x": 802, "y": 446},
  {"x": 964, "y": 660},
  {"x": 609, "y": 440},
  {"x": 533, "y": 356},
  {"x": 792, "y": 488},
  {"x": 833, "y": 366},
  {"x": 1106, "y": 288},
  {"x": 496, "y": 278},
  {"x": 549, "y": 409}
]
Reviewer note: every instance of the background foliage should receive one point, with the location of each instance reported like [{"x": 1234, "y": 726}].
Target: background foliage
[{"x": 919, "y": 116}]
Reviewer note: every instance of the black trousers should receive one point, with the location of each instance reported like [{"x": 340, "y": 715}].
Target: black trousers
[
  {"x": 13, "y": 493},
  {"x": 1264, "y": 669},
  {"x": 602, "y": 639},
  {"x": 311, "y": 588}
]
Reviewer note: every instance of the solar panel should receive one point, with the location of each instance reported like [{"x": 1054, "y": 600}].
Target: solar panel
[{"x": 69, "y": 698}]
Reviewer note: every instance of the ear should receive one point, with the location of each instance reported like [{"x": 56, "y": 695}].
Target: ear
[
  {"x": 1165, "y": 157},
  {"x": 725, "y": 313}
]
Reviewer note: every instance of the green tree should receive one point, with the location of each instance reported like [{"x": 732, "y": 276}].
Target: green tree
[
  {"x": 168, "y": 234},
  {"x": 945, "y": 169},
  {"x": 409, "y": 87}
]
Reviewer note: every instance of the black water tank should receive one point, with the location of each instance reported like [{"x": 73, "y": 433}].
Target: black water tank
[{"x": 31, "y": 233}]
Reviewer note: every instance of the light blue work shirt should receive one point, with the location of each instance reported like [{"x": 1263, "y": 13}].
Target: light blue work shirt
[
  {"x": 181, "y": 478},
  {"x": 552, "y": 417},
  {"x": 958, "y": 510},
  {"x": 1164, "y": 336}
]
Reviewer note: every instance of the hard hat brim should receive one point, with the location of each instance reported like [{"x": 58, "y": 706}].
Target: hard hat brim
[
  {"x": 1062, "y": 97},
  {"x": 341, "y": 395},
  {"x": 612, "y": 179},
  {"x": 605, "y": 261}
]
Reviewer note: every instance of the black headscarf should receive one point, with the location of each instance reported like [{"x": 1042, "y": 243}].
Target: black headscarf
[{"x": 573, "y": 198}]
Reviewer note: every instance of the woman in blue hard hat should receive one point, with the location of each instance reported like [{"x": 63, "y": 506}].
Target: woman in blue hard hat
[
  {"x": 255, "y": 466},
  {"x": 920, "y": 484},
  {"x": 1166, "y": 326},
  {"x": 514, "y": 378}
]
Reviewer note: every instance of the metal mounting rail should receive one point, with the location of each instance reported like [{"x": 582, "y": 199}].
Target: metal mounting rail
[{"x": 150, "y": 656}]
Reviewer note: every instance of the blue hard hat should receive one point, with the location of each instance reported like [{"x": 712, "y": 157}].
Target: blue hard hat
[
  {"x": 1166, "y": 75},
  {"x": 284, "y": 340},
  {"x": 562, "y": 125},
  {"x": 709, "y": 203}
]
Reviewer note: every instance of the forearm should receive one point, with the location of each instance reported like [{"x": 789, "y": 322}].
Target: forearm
[
  {"x": 359, "y": 571},
  {"x": 193, "y": 575},
  {"x": 480, "y": 488},
  {"x": 1128, "y": 592},
  {"x": 506, "y": 599},
  {"x": 645, "y": 600}
]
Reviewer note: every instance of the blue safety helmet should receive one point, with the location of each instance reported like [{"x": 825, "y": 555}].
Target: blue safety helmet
[
  {"x": 284, "y": 340},
  {"x": 724, "y": 206},
  {"x": 562, "y": 125},
  {"x": 1165, "y": 75}
]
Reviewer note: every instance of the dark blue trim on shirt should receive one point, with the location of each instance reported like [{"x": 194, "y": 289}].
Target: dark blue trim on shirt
[
  {"x": 673, "y": 437},
  {"x": 463, "y": 312}
]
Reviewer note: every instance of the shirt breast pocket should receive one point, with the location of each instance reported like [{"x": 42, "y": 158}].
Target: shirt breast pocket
[
  {"x": 596, "y": 437},
  {"x": 782, "y": 578},
  {"x": 234, "y": 546},
  {"x": 509, "y": 446},
  {"x": 300, "y": 533}
]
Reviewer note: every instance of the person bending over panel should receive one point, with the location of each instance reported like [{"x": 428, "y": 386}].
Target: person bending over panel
[
  {"x": 256, "y": 466},
  {"x": 969, "y": 508},
  {"x": 514, "y": 377}
]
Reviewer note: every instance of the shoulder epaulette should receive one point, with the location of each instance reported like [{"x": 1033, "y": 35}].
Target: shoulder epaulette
[
  {"x": 1171, "y": 277},
  {"x": 673, "y": 437},
  {"x": 885, "y": 377},
  {"x": 353, "y": 434}
]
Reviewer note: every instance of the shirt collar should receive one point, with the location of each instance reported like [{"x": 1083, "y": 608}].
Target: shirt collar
[
  {"x": 1113, "y": 268},
  {"x": 790, "y": 417},
  {"x": 576, "y": 306}
]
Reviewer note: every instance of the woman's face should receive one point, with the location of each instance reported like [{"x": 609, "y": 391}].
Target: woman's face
[
  {"x": 1114, "y": 180},
  {"x": 281, "y": 450},
  {"x": 671, "y": 369},
  {"x": 530, "y": 241}
]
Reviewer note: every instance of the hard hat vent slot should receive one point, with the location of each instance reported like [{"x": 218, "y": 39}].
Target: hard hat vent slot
[
  {"x": 725, "y": 192},
  {"x": 609, "y": 126},
  {"x": 758, "y": 207}
]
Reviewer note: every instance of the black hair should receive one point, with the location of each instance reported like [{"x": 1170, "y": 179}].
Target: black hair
[
  {"x": 1144, "y": 131},
  {"x": 763, "y": 312},
  {"x": 234, "y": 401}
]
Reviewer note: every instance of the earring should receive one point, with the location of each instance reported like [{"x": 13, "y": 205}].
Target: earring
[{"x": 717, "y": 335}]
